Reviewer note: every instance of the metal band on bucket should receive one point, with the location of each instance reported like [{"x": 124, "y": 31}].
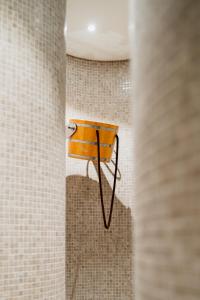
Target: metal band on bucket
[
  {"x": 87, "y": 157},
  {"x": 90, "y": 143},
  {"x": 96, "y": 127}
]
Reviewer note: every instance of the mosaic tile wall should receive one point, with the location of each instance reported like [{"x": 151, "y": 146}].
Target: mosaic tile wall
[
  {"x": 32, "y": 171},
  {"x": 99, "y": 262},
  {"x": 167, "y": 149}
]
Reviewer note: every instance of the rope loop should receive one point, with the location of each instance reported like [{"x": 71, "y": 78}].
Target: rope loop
[{"x": 107, "y": 224}]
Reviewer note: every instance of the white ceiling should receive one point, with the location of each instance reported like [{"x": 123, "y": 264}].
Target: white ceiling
[{"x": 97, "y": 29}]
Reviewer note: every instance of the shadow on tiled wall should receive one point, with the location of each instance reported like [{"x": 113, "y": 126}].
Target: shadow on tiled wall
[{"x": 99, "y": 262}]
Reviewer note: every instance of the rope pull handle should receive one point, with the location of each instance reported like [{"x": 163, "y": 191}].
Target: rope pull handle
[
  {"x": 107, "y": 224},
  {"x": 70, "y": 129}
]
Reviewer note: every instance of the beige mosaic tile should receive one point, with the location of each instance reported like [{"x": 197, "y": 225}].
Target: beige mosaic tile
[
  {"x": 99, "y": 262},
  {"x": 167, "y": 149},
  {"x": 32, "y": 187}
]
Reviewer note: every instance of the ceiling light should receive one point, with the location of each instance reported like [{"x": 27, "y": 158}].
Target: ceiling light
[{"x": 91, "y": 27}]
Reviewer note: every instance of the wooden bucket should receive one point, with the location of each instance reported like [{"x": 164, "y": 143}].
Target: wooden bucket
[{"x": 83, "y": 140}]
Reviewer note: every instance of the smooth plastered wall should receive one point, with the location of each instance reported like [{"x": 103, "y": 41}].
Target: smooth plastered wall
[
  {"x": 99, "y": 262},
  {"x": 32, "y": 178},
  {"x": 166, "y": 71}
]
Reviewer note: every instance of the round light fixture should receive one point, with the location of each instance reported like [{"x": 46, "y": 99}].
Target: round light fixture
[{"x": 91, "y": 27}]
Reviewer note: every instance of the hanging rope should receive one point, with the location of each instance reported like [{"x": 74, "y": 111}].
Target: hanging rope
[{"x": 107, "y": 225}]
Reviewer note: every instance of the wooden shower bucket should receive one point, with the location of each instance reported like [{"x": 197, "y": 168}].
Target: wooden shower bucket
[
  {"x": 83, "y": 141},
  {"x": 94, "y": 141}
]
